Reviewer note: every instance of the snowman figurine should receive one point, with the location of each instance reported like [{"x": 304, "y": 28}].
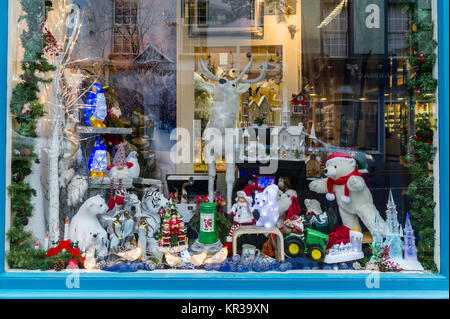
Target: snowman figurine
[{"x": 241, "y": 214}]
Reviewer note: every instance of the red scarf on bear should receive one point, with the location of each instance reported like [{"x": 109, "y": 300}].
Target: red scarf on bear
[{"x": 341, "y": 181}]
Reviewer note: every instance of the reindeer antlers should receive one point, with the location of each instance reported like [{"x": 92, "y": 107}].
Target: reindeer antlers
[
  {"x": 204, "y": 70},
  {"x": 259, "y": 78}
]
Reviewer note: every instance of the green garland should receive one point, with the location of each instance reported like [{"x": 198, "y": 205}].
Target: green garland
[
  {"x": 419, "y": 160},
  {"x": 26, "y": 110}
]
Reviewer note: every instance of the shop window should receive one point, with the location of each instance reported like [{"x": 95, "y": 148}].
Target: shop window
[
  {"x": 398, "y": 19},
  {"x": 149, "y": 147},
  {"x": 126, "y": 29},
  {"x": 334, "y": 28}
]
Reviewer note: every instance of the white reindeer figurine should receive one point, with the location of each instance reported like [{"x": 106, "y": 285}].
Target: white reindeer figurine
[{"x": 223, "y": 116}]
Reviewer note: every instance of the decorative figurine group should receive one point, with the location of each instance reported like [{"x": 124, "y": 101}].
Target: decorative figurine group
[
  {"x": 123, "y": 223},
  {"x": 153, "y": 225}
]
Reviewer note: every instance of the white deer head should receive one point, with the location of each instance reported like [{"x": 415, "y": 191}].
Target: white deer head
[{"x": 226, "y": 94}]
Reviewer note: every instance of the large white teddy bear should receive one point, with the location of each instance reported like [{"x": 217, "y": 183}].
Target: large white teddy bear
[
  {"x": 85, "y": 225},
  {"x": 345, "y": 184}
]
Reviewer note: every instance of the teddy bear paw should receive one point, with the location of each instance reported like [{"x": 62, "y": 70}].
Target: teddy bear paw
[
  {"x": 355, "y": 183},
  {"x": 345, "y": 199},
  {"x": 314, "y": 186}
]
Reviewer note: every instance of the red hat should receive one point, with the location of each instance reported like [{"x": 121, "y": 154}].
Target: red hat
[
  {"x": 338, "y": 155},
  {"x": 119, "y": 157},
  {"x": 294, "y": 209}
]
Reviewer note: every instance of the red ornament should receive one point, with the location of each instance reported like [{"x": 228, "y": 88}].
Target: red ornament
[
  {"x": 23, "y": 208},
  {"x": 72, "y": 264},
  {"x": 111, "y": 203},
  {"x": 421, "y": 57}
]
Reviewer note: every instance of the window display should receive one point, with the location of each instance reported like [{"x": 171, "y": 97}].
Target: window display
[{"x": 222, "y": 136}]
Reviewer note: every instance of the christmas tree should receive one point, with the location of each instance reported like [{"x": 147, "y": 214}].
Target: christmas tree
[
  {"x": 173, "y": 229},
  {"x": 26, "y": 109}
]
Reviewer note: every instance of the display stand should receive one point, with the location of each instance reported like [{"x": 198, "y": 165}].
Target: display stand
[{"x": 245, "y": 230}]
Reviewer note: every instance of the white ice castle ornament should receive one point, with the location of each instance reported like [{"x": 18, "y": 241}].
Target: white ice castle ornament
[
  {"x": 402, "y": 252},
  {"x": 410, "y": 259},
  {"x": 393, "y": 231}
]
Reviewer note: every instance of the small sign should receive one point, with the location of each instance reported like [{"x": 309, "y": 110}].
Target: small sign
[{"x": 369, "y": 25}]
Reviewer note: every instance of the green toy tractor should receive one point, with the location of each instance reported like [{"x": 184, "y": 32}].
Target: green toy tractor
[{"x": 313, "y": 245}]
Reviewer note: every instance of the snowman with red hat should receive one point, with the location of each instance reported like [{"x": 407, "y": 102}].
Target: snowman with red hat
[
  {"x": 345, "y": 184},
  {"x": 118, "y": 171}
]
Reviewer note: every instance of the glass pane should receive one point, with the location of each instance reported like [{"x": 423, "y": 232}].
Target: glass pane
[{"x": 223, "y": 135}]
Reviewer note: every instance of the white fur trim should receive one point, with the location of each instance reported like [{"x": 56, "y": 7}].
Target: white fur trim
[
  {"x": 337, "y": 159},
  {"x": 119, "y": 173},
  {"x": 345, "y": 199},
  {"x": 330, "y": 196}
]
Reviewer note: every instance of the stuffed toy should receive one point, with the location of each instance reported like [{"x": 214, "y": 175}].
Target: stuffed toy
[
  {"x": 85, "y": 225},
  {"x": 241, "y": 214},
  {"x": 118, "y": 171},
  {"x": 345, "y": 184}
]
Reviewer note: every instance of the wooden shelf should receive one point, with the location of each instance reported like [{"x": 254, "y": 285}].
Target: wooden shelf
[
  {"x": 103, "y": 130},
  {"x": 105, "y": 182}
]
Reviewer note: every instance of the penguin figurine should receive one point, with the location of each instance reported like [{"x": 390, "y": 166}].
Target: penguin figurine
[
  {"x": 98, "y": 161},
  {"x": 143, "y": 234},
  {"x": 116, "y": 236},
  {"x": 95, "y": 110},
  {"x": 128, "y": 225}
]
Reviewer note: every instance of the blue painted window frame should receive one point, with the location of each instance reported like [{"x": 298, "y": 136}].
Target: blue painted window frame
[{"x": 237, "y": 285}]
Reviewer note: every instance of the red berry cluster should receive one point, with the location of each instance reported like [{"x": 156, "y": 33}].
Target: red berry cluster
[
  {"x": 427, "y": 139},
  {"x": 384, "y": 264},
  {"x": 421, "y": 57},
  {"x": 52, "y": 47}
]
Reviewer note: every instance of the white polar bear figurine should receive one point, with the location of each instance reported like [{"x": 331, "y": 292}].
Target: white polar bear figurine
[
  {"x": 267, "y": 204},
  {"x": 345, "y": 184},
  {"x": 86, "y": 225}
]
